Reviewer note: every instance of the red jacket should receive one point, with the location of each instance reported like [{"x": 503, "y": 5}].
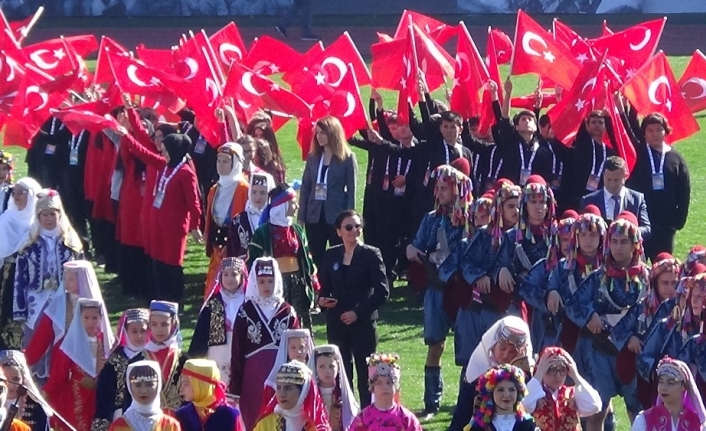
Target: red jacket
[{"x": 129, "y": 227}]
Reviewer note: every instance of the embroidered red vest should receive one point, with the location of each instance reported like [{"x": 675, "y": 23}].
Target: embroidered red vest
[
  {"x": 561, "y": 415},
  {"x": 659, "y": 419}
]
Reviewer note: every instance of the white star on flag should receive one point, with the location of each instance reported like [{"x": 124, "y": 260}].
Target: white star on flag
[
  {"x": 320, "y": 79},
  {"x": 59, "y": 53},
  {"x": 273, "y": 68},
  {"x": 630, "y": 72},
  {"x": 580, "y": 104},
  {"x": 274, "y": 87},
  {"x": 549, "y": 56},
  {"x": 456, "y": 82},
  {"x": 668, "y": 104},
  {"x": 403, "y": 83},
  {"x": 582, "y": 57}
]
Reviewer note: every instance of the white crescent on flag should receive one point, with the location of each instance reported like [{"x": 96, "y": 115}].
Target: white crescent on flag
[
  {"x": 697, "y": 81},
  {"x": 338, "y": 64},
  {"x": 652, "y": 91},
  {"x": 645, "y": 40}
]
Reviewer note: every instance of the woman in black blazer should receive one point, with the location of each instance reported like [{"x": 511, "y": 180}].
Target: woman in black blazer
[{"x": 353, "y": 287}]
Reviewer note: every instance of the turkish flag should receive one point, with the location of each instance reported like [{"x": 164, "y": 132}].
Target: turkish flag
[
  {"x": 228, "y": 45},
  {"x": 254, "y": 91},
  {"x": 51, "y": 57},
  {"x": 21, "y": 28},
  {"x": 268, "y": 56},
  {"x": 103, "y": 74},
  {"x": 200, "y": 76},
  {"x": 577, "y": 45},
  {"x": 625, "y": 149},
  {"x": 32, "y": 103},
  {"x": 693, "y": 82},
  {"x": 527, "y": 102},
  {"x": 408, "y": 95},
  {"x": 77, "y": 119},
  {"x": 384, "y": 37},
  {"x": 537, "y": 53},
  {"x": 160, "y": 59},
  {"x": 470, "y": 75},
  {"x": 503, "y": 45},
  {"x": 634, "y": 46},
  {"x": 305, "y": 135},
  {"x": 587, "y": 94},
  {"x": 387, "y": 67},
  {"x": 332, "y": 63},
  {"x": 439, "y": 31},
  {"x": 11, "y": 76},
  {"x": 487, "y": 116},
  {"x": 433, "y": 60},
  {"x": 654, "y": 88}
]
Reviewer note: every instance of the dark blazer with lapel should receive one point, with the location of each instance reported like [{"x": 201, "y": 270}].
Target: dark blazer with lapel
[
  {"x": 6, "y": 200},
  {"x": 633, "y": 202},
  {"x": 363, "y": 288},
  {"x": 340, "y": 194}
]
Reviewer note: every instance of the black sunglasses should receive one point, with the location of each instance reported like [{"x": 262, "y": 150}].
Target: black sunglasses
[{"x": 349, "y": 227}]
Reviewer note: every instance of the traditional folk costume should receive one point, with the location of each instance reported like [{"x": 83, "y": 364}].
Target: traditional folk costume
[
  {"x": 439, "y": 239},
  {"x": 534, "y": 286},
  {"x": 697, "y": 255},
  {"x": 58, "y": 315},
  {"x": 112, "y": 388},
  {"x": 244, "y": 224},
  {"x": 309, "y": 414},
  {"x": 527, "y": 244},
  {"x": 168, "y": 355},
  {"x": 510, "y": 329},
  {"x": 257, "y": 333},
  {"x": 279, "y": 237},
  {"x": 33, "y": 410},
  {"x": 38, "y": 271},
  {"x": 144, "y": 417},
  {"x": 484, "y": 416},
  {"x": 75, "y": 365},
  {"x": 208, "y": 411},
  {"x": 656, "y": 329},
  {"x": 213, "y": 335},
  {"x": 341, "y": 406},
  {"x": 14, "y": 227},
  {"x": 611, "y": 292},
  {"x": 226, "y": 199},
  {"x": 693, "y": 416},
  {"x": 560, "y": 409},
  {"x": 283, "y": 357}
]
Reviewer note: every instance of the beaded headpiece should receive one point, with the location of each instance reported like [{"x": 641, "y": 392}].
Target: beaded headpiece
[
  {"x": 232, "y": 149},
  {"x": 49, "y": 199},
  {"x": 233, "y": 263},
  {"x": 385, "y": 365},
  {"x": 463, "y": 189},
  {"x": 483, "y": 416},
  {"x": 264, "y": 268},
  {"x": 259, "y": 180},
  {"x": 510, "y": 335},
  {"x": 293, "y": 372},
  {"x": 85, "y": 303},
  {"x": 136, "y": 315}
]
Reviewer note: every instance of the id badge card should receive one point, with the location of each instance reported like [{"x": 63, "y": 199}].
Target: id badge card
[
  {"x": 200, "y": 146},
  {"x": 592, "y": 183},
  {"x": 158, "y": 200},
  {"x": 426, "y": 178},
  {"x": 386, "y": 183},
  {"x": 524, "y": 176},
  {"x": 399, "y": 191},
  {"x": 657, "y": 181},
  {"x": 50, "y": 150},
  {"x": 320, "y": 192},
  {"x": 73, "y": 157}
]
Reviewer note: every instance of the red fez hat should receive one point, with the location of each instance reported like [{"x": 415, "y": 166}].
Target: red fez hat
[
  {"x": 569, "y": 214},
  {"x": 536, "y": 179},
  {"x": 628, "y": 216},
  {"x": 699, "y": 268},
  {"x": 592, "y": 209},
  {"x": 461, "y": 164}
]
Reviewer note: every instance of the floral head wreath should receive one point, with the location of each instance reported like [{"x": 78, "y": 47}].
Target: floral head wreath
[
  {"x": 524, "y": 231},
  {"x": 463, "y": 188},
  {"x": 383, "y": 364},
  {"x": 587, "y": 222},
  {"x": 483, "y": 416},
  {"x": 506, "y": 191}
]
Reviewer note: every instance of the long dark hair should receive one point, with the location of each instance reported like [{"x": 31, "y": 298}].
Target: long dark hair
[{"x": 268, "y": 134}]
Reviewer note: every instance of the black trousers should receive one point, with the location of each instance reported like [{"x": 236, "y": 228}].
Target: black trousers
[
  {"x": 134, "y": 264},
  {"x": 167, "y": 282},
  {"x": 103, "y": 238},
  {"x": 319, "y": 234},
  {"x": 302, "y": 8},
  {"x": 661, "y": 240},
  {"x": 356, "y": 342}
]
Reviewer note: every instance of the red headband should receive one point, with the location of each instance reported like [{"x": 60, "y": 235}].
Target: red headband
[{"x": 220, "y": 387}]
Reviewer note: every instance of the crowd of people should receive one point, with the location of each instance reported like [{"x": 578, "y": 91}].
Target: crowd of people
[{"x": 517, "y": 242}]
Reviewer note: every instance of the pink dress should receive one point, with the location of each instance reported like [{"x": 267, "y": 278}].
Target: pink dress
[{"x": 397, "y": 418}]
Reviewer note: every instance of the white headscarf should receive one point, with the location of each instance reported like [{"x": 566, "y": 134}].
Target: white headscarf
[
  {"x": 482, "y": 360},
  {"x": 235, "y": 152},
  {"x": 143, "y": 417},
  {"x": 278, "y": 215},
  {"x": 15, "y": 358},
  {"x": 269, "y": 305},
  {"x": 283, "y": 353},
  {"x": 87, "y": 288},
  {"x": 15, "y": 224},
  {"x": 349, "y": 405},
  {"x": 253, "y": 212},
  {"x": 76, "y": 344}
]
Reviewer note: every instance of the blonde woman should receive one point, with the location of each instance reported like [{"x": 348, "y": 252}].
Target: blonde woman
[{"x": 328, "y": 185}]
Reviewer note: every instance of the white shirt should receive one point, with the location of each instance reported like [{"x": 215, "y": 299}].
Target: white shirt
[
  {"x": 640, "y": 424},
  {"x": 504, "y": 422},
  {"x": 610, "y": 203},
  {"x": 588, "y": 401}
]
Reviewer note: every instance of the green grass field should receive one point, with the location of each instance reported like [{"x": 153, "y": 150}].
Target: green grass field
[{"x": 400, "y": 327}]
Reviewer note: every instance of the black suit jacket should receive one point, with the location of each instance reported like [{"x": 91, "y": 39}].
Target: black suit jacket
[
  {"x": 7, "y": 198},
  {"x": 633, "y": 202},
  {"x": 360, "y": 287}
]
